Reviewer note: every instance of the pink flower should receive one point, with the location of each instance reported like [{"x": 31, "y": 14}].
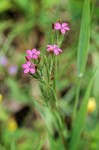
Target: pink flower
[
  {"x": 54, "y": 48},
  {"x": 61, "y": 26},
  {"x": 32, "y": 53},
  {"x": 28, "y": 67}
]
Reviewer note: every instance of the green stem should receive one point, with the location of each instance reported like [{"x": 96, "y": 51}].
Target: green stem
[
  {"x": 61, "y": 127},
  {"x": 13, "y": 145},
  {"x": 77, "y": 99},
  {"x": 55, "y": 78},
  {"x": 54, "y": 82},
  {"x": 92, "y": 9},
  {"x": 0, "y": 133},
  {"x": 58, "y": 117},
  {"x": 43, "y": 81},
  {"x": 55, "y": 74}
]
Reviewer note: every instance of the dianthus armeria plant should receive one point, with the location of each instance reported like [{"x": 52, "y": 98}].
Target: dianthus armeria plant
[{"x": 44, "y": 69}]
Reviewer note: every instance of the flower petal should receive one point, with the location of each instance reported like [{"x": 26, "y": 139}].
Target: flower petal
[
  {"x": 56, "y": 52},
  {"x": 48, "y": 50},
  {"x": 37, "y": 52},
  {"x": 33, "y": 50},
  {"x": 57, "y": 26},
  {"x": 26, "y": 70},
  {"x": 32, "y": 70},
  {"x": 59, "y": 50},
  {"x": 28, "y": 63},
  {"x": 49, "y": 46},
  {"x": 64, "y": 25},
  {"x": 29, "y": 57},
  {"x": 24, "y": 66},
  {"x": 63, "y": 31},
  {"x": 29, "y": 52},
  {"x": 34, "y": 56},
  {"x": 66, "y": 28},
  {"x": 33, "y": 65}
]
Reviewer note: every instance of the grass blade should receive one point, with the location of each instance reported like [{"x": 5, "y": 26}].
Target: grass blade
[
  {"x": 80, "y": 119},
  {"x": 84, "y": 37},
  {"x": 40, "y": 143}
]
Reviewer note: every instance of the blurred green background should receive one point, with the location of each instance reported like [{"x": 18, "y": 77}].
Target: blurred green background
[{"x": 25, "y": 24}]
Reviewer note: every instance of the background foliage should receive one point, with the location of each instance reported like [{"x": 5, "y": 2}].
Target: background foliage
[{"x": 25, "y": 24}]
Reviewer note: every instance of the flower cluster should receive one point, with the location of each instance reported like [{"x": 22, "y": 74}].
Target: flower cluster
[
  {"x": 28, "y": 66},
  {"x": 63, "y": 27},
  {"x": 33, "y": 54},
  {"x": 54, "y": 48}
]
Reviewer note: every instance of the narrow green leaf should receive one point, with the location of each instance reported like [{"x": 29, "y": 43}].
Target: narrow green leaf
[
  {"x": 55, "y": 144},
  {"x": 5, "y": 5},
  {"x": 13, "y": 145},
  {"x": 84, "y": 37},
  {"x": 47, "y": 117},
  {"x": 40, "y": 143},
  {"x": 80, "y": 119},
  {"x": 96, "y": 82}
]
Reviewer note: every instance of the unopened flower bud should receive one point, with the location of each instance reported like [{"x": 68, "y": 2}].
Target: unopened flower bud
[
  {"x": 1, "y": 97},
  {"x": 26, "y": 58},
  {"x": 12, "y": 125},
  {"x": 91, "y": 105},
  {"x": 59, "y": 21},
  {"x": 52, "y": 25}
]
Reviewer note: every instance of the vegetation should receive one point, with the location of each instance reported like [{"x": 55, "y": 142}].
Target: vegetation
[{"x": 55, "y": 105}]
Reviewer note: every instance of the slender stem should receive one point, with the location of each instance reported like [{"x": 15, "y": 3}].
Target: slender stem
[
  {"x": 0, "y": 133},
  {"x": 55, "y": 65},
  {"x": 60, "y": 127},
  {"x": 59, "y": 119},
  {"x": 43, "y": 81},
  {"x": 13, "y": 145},
  {"x": 55, "y": 79},
  {"x": 92, "y": 9},
  {"x": 55, "y": 73},
  {"x": 77, "y": 98}
]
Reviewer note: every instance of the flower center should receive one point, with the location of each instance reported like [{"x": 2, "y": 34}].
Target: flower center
[{"x": 33, "y": 53}]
